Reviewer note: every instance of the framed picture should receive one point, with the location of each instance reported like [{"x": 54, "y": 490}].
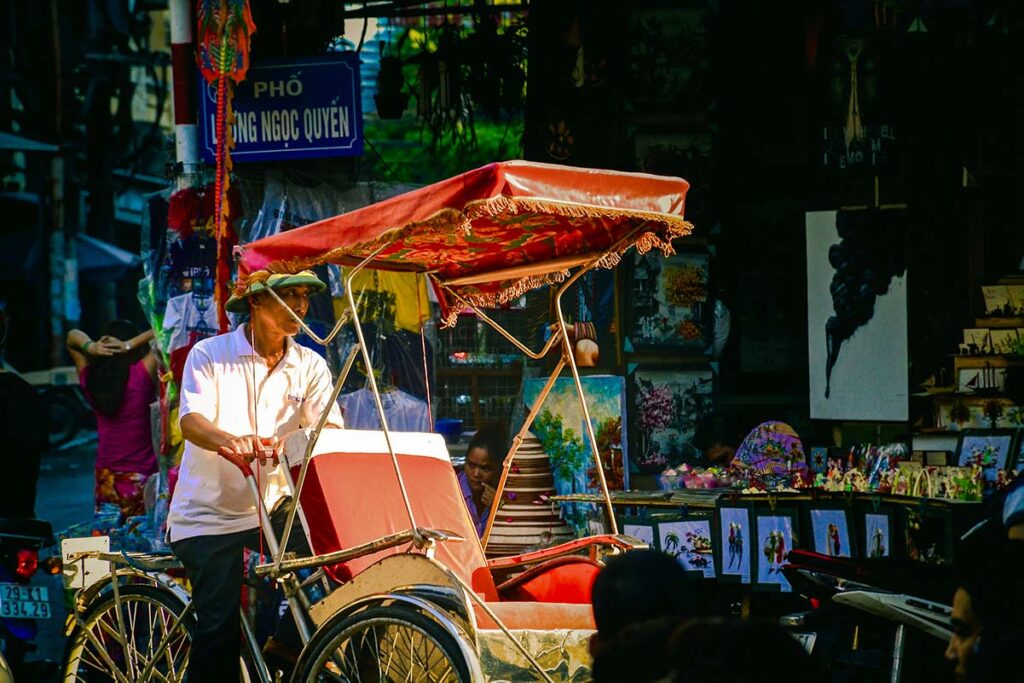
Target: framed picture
[
  {"x": 981, "y": 380},
  {"x": 997, "y": 300},
  {"x": 830, "y": 529},
  {"x": 667, "y": 48},
  {"x": 561, "y": 430},
  {"x": 1003, "y": 341},
  {"x": 688, "y": 539},
  {"x": 928, "y": 535},
  {"x": 641, "y": 528},
  {"x": 977, "y": 340},
  {"x": 1018, "y": 461},
  {"x": 817, "y": 459},
  {"x": 670, "y": 306},
  {"x": 775, "y": 535},
  {"x": 666, "y": 407},
  {"x": 990, "y": 448},
  {"x": 857, "y": 330},
  {"x": 877, "y": 533},
  {"x": 1016, "y": 294},
  {"x": 734, "y": 543}
]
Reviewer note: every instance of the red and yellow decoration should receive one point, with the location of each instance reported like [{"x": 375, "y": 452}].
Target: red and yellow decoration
[{"x": 225, "y": 27}]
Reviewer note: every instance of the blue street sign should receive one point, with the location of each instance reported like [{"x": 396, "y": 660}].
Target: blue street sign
[{"x": 301, "y": 109}]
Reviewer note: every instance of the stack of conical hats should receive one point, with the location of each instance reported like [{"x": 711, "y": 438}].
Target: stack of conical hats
[{"x": 526, "y": 517}]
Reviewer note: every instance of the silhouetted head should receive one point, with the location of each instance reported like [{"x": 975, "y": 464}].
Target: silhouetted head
[
  {"x": 739, "y": 651},
  {"x": 108, "y": 375},
  {"x": 640, "y": 585},
  {"x": 716, "y": 439}
]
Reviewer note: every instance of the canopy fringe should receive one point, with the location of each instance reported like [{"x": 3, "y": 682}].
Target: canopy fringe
[{"x": 503, "y": 204}]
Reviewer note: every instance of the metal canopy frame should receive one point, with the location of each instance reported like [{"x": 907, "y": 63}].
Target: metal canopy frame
[
  {"x": 421, "y": 539},
  {"x": 582, "y": 264}
]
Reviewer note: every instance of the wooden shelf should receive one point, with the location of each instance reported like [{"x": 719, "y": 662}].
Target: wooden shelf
[{"x": 999, "y": 323}]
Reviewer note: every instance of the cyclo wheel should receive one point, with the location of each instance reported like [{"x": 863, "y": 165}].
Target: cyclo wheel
[
  {"x": 382, "y": 644},
  {"x": 149, "y": 615}
]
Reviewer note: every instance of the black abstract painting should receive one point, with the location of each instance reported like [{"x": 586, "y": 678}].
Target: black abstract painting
[{"x": 871, "y": 252}]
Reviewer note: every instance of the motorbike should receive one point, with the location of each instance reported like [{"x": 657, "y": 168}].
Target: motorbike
[
  {"x": 69, "y": 412},
  {"x": 865, "y": 612},
  {"x": 22, "y": 604}
]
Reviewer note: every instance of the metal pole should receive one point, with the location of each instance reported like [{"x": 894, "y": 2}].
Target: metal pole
[
  {"x": 56, "y": 261},
  {"x": 186, "y": 135},
  {"x": 516, "y": 442},
  {"x": 567, "y": 355},
  {"x": 375, "y": 391},
  {"x": 310, "y": 445},
  {"x": 535, "y": 355},
  {"x": 897, "y": 654}
]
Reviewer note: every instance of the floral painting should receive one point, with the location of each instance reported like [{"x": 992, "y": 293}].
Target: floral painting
[
  {"x": 690, "y": 543},
  {"x": 670, "y": 304},
  {"x": 666, "y": 407},
  {"x": 990, "y": 450},
  {"x": 563, "y": 434}
]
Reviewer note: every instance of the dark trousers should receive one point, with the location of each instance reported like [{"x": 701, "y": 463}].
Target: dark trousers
[{"x": 215, "y": 569}]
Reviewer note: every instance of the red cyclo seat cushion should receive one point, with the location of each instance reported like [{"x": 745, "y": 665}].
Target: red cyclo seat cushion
[
  {"x": 351, "y": 496},
  {"x": 568, "y": 579}
]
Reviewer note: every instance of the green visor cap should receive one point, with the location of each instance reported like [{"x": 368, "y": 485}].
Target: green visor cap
[{"x": 238, "y": 304}]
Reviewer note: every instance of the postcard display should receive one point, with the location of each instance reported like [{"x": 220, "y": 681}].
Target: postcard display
[
  {"x": 744, "y": 538},
  {"x": 987, "y": 362}
]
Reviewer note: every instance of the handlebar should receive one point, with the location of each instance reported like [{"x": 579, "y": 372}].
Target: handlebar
[{"x": 236, "y": 460}]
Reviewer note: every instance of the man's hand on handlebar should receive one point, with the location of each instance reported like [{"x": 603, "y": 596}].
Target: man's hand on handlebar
[{"x": 252, "y": 447}]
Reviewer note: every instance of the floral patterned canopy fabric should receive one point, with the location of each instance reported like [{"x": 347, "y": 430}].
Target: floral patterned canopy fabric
[{"x": 490, "y": 234}]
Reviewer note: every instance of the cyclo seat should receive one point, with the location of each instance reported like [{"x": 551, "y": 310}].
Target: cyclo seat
[{"x": 351, "y": 496}]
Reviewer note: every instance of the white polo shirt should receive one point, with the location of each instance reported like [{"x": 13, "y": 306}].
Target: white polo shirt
[{"x": 226, "y": 382}]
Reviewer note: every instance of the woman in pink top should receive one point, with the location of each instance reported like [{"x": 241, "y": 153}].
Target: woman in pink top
[{"x": 118, "y": 374}]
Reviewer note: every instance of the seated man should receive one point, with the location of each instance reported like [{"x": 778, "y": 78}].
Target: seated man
[{"x": 480, "y": 475}]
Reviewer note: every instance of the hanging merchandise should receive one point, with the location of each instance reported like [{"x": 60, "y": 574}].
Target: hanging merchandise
[
  {"x": 854, "y": 128},
  {"x": 225, "y": 27},
  {"x": 188, "y": 319},
  {"x": 403, "y": 412},
  {"x": 389, "y": 298}
]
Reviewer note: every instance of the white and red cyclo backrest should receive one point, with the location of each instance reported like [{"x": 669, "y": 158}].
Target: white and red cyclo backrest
[{"x": 351, "y": 496}]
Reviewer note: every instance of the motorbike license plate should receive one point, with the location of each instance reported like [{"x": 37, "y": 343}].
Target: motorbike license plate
[{"x": 24, "y": 602}]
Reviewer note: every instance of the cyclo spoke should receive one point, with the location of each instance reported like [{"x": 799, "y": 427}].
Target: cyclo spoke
[
  {"x": 379, "y": 649},
  {"x": 101, "y": 649}
]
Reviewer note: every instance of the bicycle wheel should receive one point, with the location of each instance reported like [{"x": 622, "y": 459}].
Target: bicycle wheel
[
  {"x": 98, "y": 652},
  {"x": 382, "y": 644}
]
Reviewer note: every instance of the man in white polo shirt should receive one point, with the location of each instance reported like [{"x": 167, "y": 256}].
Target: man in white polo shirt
[{"x": 240, "y": 392}]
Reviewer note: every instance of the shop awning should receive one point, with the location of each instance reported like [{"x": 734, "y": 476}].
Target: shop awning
[
  {"x": 95, "y": 254},
  {"x": 16, "y": 143},
  {"x": 492, "y": 233},
  {"x": 97, "y": 259}
]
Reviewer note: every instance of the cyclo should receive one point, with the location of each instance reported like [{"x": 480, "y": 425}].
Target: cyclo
[{"x": 409, "y": 593}]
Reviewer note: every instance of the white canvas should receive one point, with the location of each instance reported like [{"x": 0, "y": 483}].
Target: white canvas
[{"x": 870, "y": 379}]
